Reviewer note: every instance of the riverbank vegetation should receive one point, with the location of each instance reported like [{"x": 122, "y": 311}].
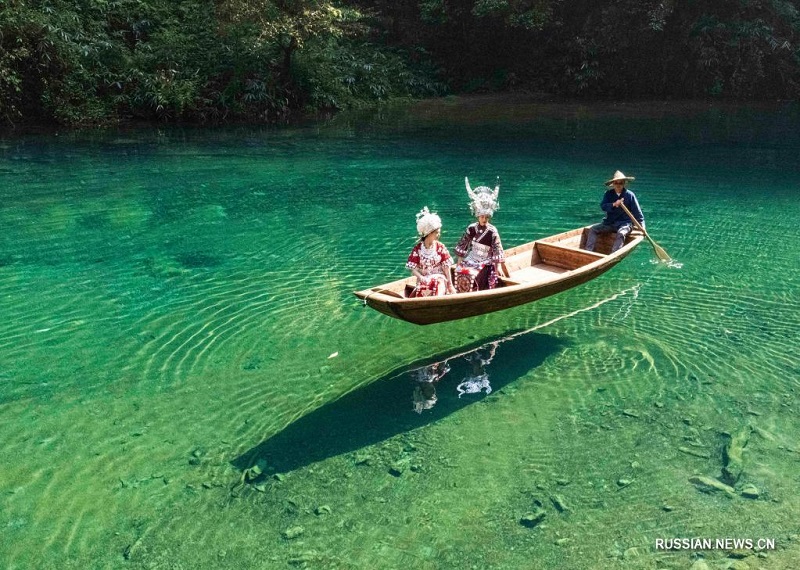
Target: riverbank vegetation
[{"x": 80, "y": 62}]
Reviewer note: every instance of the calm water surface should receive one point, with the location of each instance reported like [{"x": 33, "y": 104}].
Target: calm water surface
[{"x": 177, "y": 309}]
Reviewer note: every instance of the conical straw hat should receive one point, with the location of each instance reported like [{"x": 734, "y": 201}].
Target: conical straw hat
[{"x": 618, "y": 175}]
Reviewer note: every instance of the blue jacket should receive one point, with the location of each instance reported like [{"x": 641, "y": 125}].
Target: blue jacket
[{"x": 617, "y": 216}]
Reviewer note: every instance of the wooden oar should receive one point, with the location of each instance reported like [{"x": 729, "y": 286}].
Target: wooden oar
[{"x": 662, "y": 255}]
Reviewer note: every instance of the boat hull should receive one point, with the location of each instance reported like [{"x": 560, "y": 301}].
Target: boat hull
[{"x": 537, "y": 270}]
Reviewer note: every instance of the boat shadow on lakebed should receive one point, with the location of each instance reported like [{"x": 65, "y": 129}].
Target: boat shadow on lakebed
[{"x": 407, "y": 398}]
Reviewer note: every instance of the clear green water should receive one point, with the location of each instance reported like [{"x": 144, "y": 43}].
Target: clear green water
[{"x": 171, "y": 300}]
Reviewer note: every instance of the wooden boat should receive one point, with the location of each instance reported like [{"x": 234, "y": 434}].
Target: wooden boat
[{"x": 536, "y": 269}]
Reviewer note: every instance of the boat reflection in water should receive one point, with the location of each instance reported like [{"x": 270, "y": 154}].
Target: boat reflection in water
[{"x": 433, "y": 388}]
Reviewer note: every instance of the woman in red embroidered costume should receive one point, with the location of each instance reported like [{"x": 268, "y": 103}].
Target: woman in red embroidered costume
[
  {"x": 480, "y": 251},
  {"x": 429, "y": 260}
]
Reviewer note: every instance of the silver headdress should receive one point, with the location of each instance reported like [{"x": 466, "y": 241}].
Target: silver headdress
[
  {"x": 427, "y": 222},
  {"x": 483, "y": 200}
]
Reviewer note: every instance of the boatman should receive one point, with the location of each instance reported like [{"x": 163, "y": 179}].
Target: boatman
[{"x": 616, "y": 219}]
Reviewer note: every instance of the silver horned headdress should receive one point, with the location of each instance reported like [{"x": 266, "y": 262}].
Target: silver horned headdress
[{"x": 483, "y": 200}]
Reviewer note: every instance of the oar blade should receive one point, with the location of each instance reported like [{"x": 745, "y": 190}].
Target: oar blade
[{"x": 662, "y": 255}]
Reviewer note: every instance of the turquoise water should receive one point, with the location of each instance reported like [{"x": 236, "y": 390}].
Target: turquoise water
[{"x": 177, "y": 308}]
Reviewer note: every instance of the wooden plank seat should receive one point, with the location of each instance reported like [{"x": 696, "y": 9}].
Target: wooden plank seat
[
  {"x": 540, "y": 273},
  {"x": 566, "y": 257}
]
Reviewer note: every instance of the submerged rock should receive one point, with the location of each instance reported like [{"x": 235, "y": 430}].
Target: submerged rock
[
  {"x": 293, "y": 532},
  {"x": 304, "y": 558},
  {"x": 750, "y": 491},
  {"x": 363, "y": 459},
  {"x": 732, "y": 455},
  {"x": 559, "y": 503},
  {"x": 532, "y": 519},
  {"x": 398, "y": 467},
  {"x": 695, "y": 452},
  {"x": 197, "y": 456},
  {"x": 709, "y": 484},
  {"x": 632, "y": 552}
]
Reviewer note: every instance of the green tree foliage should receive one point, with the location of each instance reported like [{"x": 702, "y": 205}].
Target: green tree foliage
[
  {"x": 314, "y": 55},
  {"x": 90, "y": 61}
]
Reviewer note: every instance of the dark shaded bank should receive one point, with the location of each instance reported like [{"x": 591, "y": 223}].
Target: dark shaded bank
[{"x": 403, "y": 400}]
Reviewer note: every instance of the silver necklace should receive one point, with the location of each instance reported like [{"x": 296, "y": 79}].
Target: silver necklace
[{"x": 426, "y": 254}]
